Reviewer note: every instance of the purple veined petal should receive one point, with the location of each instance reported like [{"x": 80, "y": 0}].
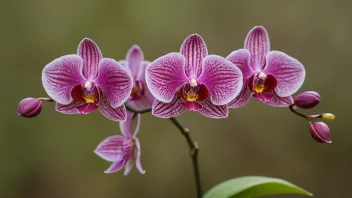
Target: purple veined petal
[
  {"x": 114, "y": 81},
  {"x": 241, "y": 58},
  {"x": 277, "y": 101},
  {"x": 134, "y": 58},
  {"x": 111, "y": 148},
  {"x": 124, "y": 64},
  {"x": 146, "y": 100},
  {"x": 67, "y": 109},
  {"x": 87, "y": 108},
  {"x": 137, "y": 156},
  {"x": 126, "y": 126},
  {"x": 168, "y": 110},
  {"x": 115, "y": 114},
  {"x": 242, "y": 98},
  {"x": 61, "y": 75},
  {"x": 141, "y": 73},
  {"x": 258, "y": 44},
  {"x": 194, "y": 50},
  {"x": 91, "y": 55},
  {"x": 213, "y": 111},
  {"x": 115, "y": 166},
  {"x": 222, "y": 78},
  {"x": 288, "y": 72},
  {"x": 129, "y": 166},
  {"x": 165, "y": 75}
]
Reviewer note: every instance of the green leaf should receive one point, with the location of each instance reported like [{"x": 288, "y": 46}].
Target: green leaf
[{"x": 253, "y": 186}]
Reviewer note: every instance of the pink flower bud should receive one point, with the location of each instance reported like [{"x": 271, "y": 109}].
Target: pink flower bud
[
  {"x": 307, "y": 100},
  {"x": 320, "y": 132},
  {"x": 29, "y": 107}
]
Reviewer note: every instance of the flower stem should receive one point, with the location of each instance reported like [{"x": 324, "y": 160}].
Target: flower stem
[
  {"x": 193, "y": 146},
  {"x": 308, "y": 117},
  {"x": 46, "y": 99}
]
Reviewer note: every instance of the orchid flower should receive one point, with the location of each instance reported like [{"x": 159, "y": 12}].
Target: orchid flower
[
  {"x": 85, "y": 82},
  {"x": 192, "y": 80},
  {"x": 122, "y": 151},
  {"x": 269, "y": 76},
  {"x": 140, "y": 98}
]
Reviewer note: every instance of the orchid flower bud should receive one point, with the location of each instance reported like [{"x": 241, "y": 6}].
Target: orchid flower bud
[
  {"x": 307, "y": 100},
  {"x": 29, "y": 107},
  {"x": 328, "y": 116},
  {"x": 320, "y": 132}
]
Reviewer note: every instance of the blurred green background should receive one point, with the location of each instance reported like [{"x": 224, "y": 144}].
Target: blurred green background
[{"x": 51, "y": 156}]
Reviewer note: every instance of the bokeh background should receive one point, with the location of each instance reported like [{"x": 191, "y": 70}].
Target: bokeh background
[{"x": 52, "y": 154}]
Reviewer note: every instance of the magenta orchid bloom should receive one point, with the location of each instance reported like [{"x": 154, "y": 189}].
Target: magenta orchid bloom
[
  {"x": 85, "y": 82},
  {"x": 122, "y": 151},
  {"x": 192, "y": 80},
  {"x": 269, "y": 76},
  {"x": 140, "y": 98}
]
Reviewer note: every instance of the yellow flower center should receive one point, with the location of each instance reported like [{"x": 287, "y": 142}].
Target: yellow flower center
[
  {"x": 135, "y": 90},
  {"x": 89, "y": 98},
  {"x": 191, "y": 97},
  {"x": 259, "y": 87}
]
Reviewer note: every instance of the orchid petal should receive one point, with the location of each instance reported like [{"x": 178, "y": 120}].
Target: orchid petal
[
  {"x": 222, "y": 78},
  {"x": 258, "y": 44},
  {"x": 165, "y": 75},
  {"x": 60, "y": 76},
  {"x": 146, "y": 100},
  {"x": 111, "y": 148},
  {"x": 134, "y": 58},
  {"x": 115, "y": 114},
  {"x": 116, "y": 166},
  {"x": 191, "y": 106},
  {"x": 67, "y": 109},
  {"x": 194, "y": 50},
  {"x": 213, "y": 111},
  {"x": 87, "y": 108},
  {"x": 241, "y": 58},
  {"x": 168, "y": 110},
  {"x": 128, "y": 167},
  {"x": 137, "y": 156},
  {"x": 242, "y": 98},
  {"x": 277, "y": 101},
  {"x": 126, "y": 126},
  {"x": 141, "y": 73},
  {"x": 114, "y": 81},
  {"x": 91, "y": 55},
  {"x": 288, "y": 72}
]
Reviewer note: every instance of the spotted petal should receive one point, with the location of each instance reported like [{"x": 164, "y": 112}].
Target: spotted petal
[
  {"x": 115, "y": 114},
  {"x": 258, "y": 44},
  {"x": 111, "y": 149},
  {"x": 213, "y": 111},
  {"x": 288, "y": 72},
  {"x": 222, "y": 78},
  {"x": 165, "y": 75},
  {"x": 134, "y": 58},
  {"x": 194, "y": 50},
  {"x": 137, "y": 156},
  {"x": 91, "y": 55},
  {"x": 60, "y": 76},
  {"x": 168, "y": 110},
  {"x": 114, "y": 81}
]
